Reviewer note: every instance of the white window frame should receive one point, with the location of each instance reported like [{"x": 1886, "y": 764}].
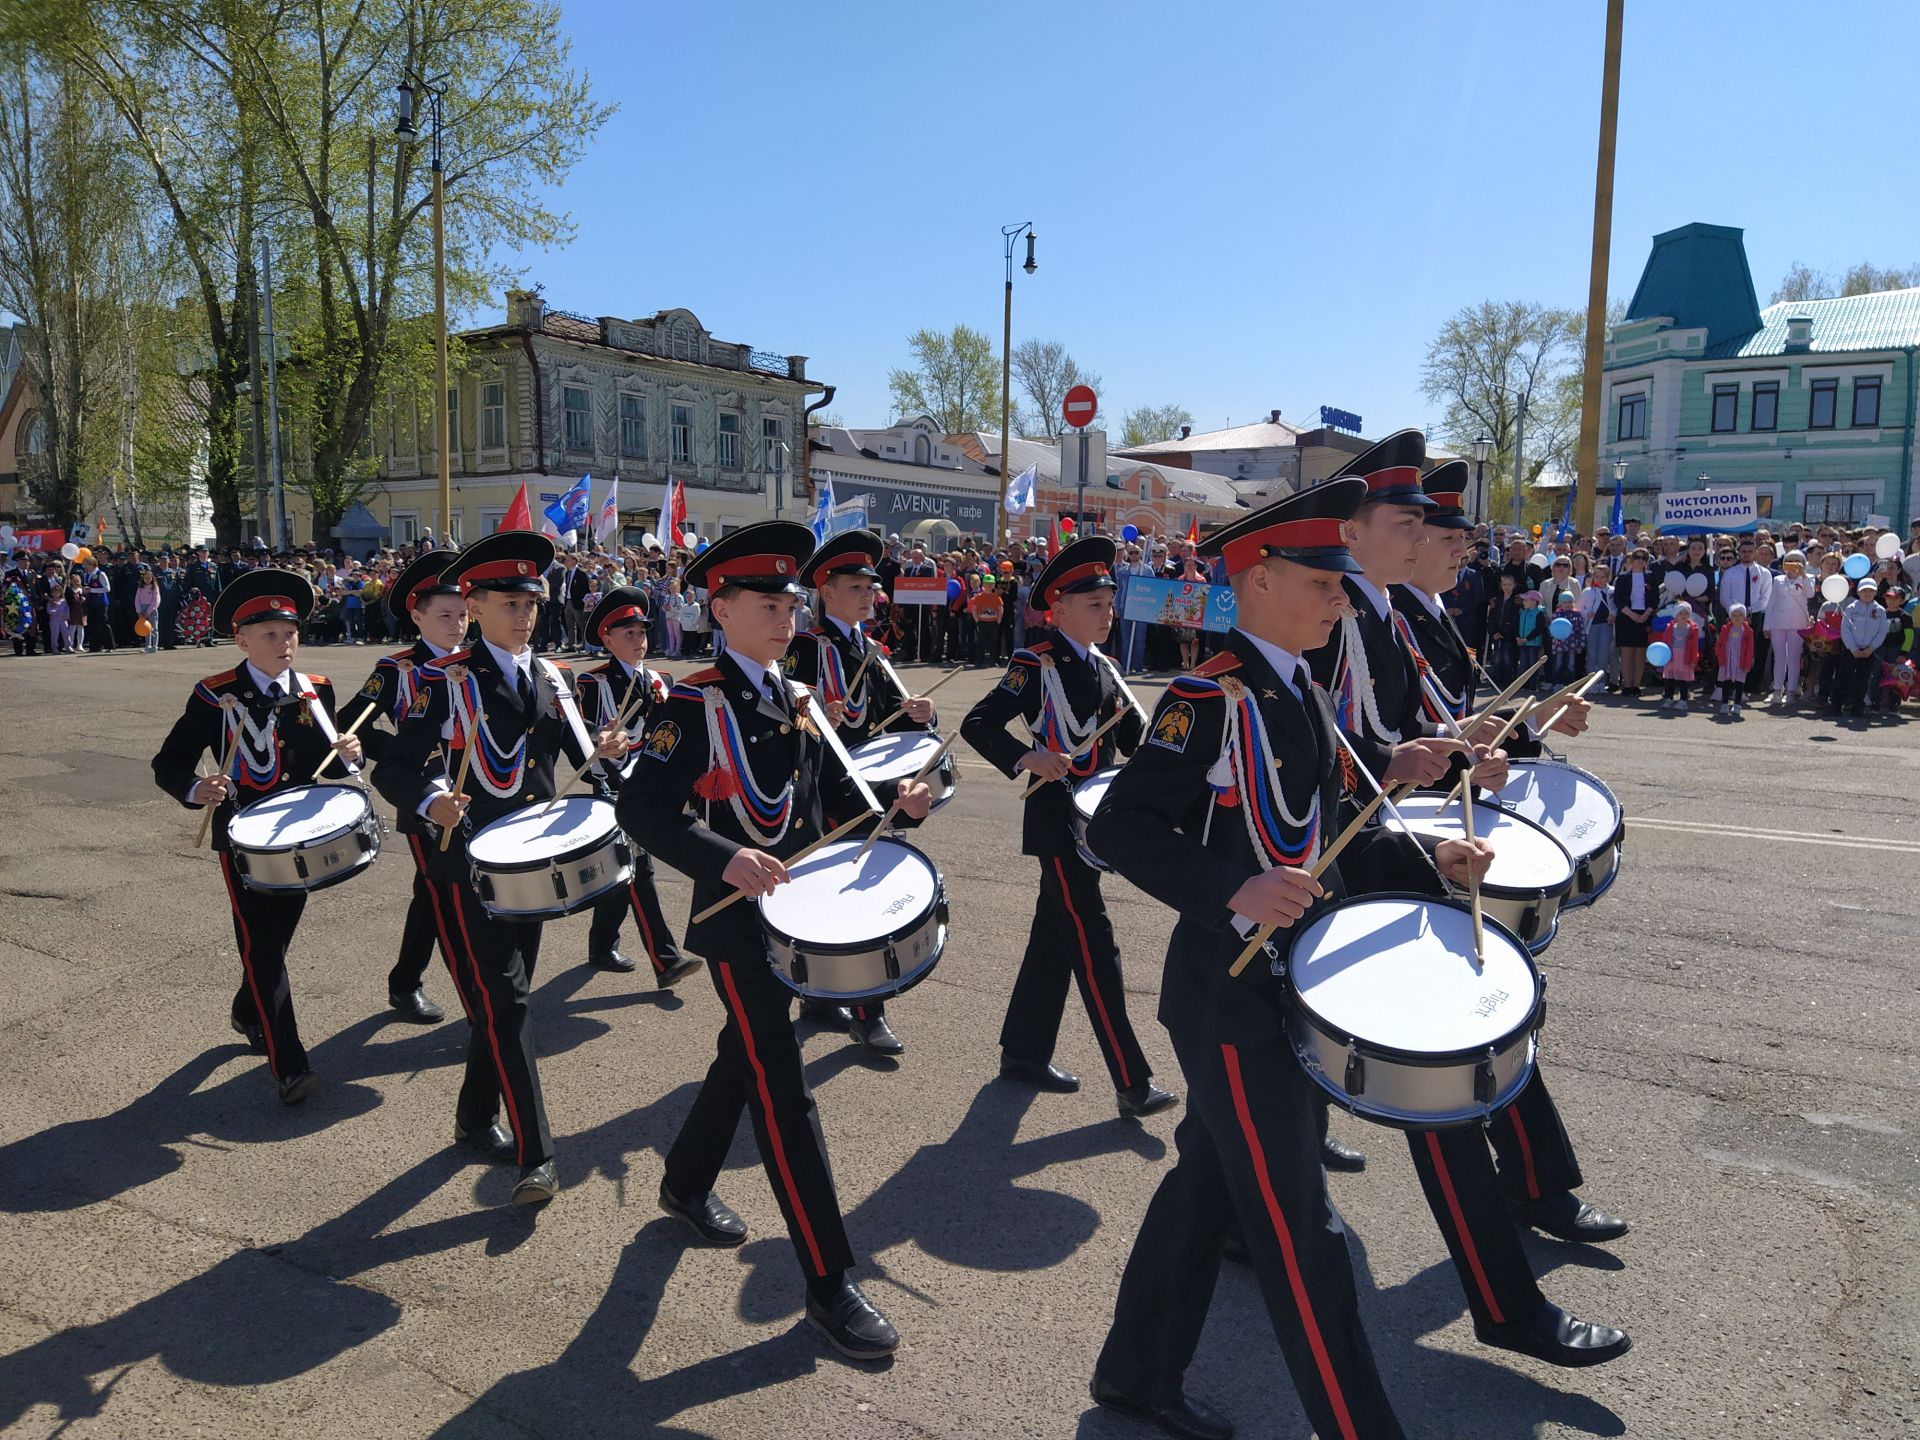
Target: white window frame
[
  {"x": 639, "y": 420},
  {"x": 773, "y": 434},
  {"x": 410, "y": 519},
  {"x": 567, "y": 413},
  {"x": 453, "y": 423},
  {"x": 731, "y": 457},
  {"x": 492, "y": 414},
  {"x": 490, "y": 518},
  {"x": 1868, "y": 498},
  {"x": 679, "y": 453}
]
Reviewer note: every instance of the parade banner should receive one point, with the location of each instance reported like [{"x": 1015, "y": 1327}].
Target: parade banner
[
  {"x": 920, "y": 590},
  {"x": 1186, "y": 604},
  {"x": 1729, "y": 510}
]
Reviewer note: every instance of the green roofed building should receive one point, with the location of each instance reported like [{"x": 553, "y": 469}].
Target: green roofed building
[{"x": 1810, "y": 402}]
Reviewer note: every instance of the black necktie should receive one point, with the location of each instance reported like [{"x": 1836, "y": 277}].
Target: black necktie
[
  {"x": 1746, "y": 584},
  {"x": 526, "y": 692}
]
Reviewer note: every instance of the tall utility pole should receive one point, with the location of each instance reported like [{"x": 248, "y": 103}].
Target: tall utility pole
[
  {"x": 435, "y": 91},
  {"x": 1519, "y": 459},
  {"x": 1587, "y": 465},
  {"x": 257, "y": 397},
  {"x": 270, "y": 344},
  {"x": 1008, "y": 234}
]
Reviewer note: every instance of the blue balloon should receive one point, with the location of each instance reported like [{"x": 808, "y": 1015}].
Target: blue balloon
[
  {"x": 1560, "y": 627},
  {"x": 1659, "y": 653},
  {"x": 1130, "y": 533},
  {"x": 1857, "y": 567},
  {"x": 701, "y": 548}
]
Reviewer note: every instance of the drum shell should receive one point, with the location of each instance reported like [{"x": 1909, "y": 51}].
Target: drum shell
[
  {"x": 1081, "y": 820},
  {"x": 559, "y": 885},
  {"x": 1595, "y": 867},
  {"x": 1531, "y": 912},
  {"x": 873, "y": 968},
  {"x": 315, "y": 864},
  {"x": 943, "y": 780}
]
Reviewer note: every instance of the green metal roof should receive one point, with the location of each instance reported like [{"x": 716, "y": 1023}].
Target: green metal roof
[
  {"x": 1698, "y": 274},
  {"x": 1885, "y": 320}
]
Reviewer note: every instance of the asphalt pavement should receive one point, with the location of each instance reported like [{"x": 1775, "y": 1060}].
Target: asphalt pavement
[{"x": 1730, "y": 1036}]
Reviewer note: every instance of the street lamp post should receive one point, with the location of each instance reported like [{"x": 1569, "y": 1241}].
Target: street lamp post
[
  {"x": 1482, "y": 449},
  {"x": 435, "y": 90},
  {"x": 1619, "y": 480},
  {"x": 1008, "y": 234}
]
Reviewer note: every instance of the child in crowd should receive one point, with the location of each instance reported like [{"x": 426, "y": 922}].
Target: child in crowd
[
  {"x": 61, "y": 631},
  {"x": 1530, "y": 636},
  {"x": 1596, "y": 609},
  {"x": 1733, "y": 648},
  {"x": 1564, "y": 667},
  {"x": 1823, "y": 643},
  {"x": 1683, "y": 639},
  {"x": 1503, "y": 633}
]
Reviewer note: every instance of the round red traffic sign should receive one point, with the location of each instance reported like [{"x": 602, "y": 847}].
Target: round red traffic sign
[{"x": 1080, "y": 407}]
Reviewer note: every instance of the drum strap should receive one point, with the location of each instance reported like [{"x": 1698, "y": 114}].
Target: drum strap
[
  {"x": 833, "y": 681},
  {"x": 804, "y": 699},
  {"x": 322, "y": 721},
  {"x": 568, "y": 710}
]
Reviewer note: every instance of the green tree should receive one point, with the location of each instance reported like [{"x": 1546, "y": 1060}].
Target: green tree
[
  {"x": 955, "y": 379},
  {"x": 1804, "y": 283},
  {"x": 1043, "y": 371},
  {"x": 1150, "y": 424}
]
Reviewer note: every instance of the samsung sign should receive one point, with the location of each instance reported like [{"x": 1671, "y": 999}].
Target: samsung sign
[
  {"x": 1340, "y": 419},
  {"x": 891, "y": 508}
]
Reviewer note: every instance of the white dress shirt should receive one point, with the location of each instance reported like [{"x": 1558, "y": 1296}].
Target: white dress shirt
[
  {"x": 1747, "y": 585},
  {"x": 1287, "y": 665},
  {"x": 1381, "y": 604}
]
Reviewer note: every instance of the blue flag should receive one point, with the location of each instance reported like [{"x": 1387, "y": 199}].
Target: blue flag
[
  {"x": 1566, "y": 519},
  {"x": 567, "y": 516},
  {"x": 823, "y": 511}
]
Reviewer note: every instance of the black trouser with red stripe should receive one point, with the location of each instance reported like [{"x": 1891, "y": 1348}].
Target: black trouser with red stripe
[
  {"x": 1071, "y": 936},
  {"x": 263, "y": 926},
  {"x": 1536, "y": 1157},
  {"x": 419, "y": 932},
  {"x": 1456, "y": 1172},
  {"x": 641, "y": 897},
  {"x": 1249, "y": 1159},
  {"x": 496, "y": 960},
  {"x": 757, "y": 1068}
]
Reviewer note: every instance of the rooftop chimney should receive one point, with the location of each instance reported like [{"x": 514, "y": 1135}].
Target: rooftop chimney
[
  {"x": 1273, "y": 417},
  {"x": 1185, "y": 431},
  {"x": 526, "y": 309},
  {"x": 1799, "y": 332}
]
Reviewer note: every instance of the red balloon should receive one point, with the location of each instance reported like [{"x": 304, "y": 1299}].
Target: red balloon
[{"x": 1066, "y": 523}]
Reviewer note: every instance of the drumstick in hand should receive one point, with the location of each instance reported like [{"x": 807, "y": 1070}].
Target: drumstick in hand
[
  {"x": 333, "y": 755},
  {"x": 627, "y": 712},
  {"x": 1579, "y": 693},
  {"x": 894, "y": 809},
  {"x": 1473, "y": 876},
  {"x": 1467, "y": 727},
  {"x": 921, "y": 696},
  {"x": 1327, "y": 857},
  {"x": 792, "y": 860},
  {"x": 466, "y": 760},
  {"x": 227, "y": 706},
  {"x": 1092, "y": 742}
]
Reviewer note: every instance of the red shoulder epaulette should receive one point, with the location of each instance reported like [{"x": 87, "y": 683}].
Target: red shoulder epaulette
[
  {"x": 704, "y": 677},
  {"x": 1220, "y": 664},
  {"x": 1038, "y": 647},
  {"x": 452, "y": 657},
  {"x": 221, "y": 679},
  {"x": 399, "y": 655},
  {"x": 319, "y": 679}
]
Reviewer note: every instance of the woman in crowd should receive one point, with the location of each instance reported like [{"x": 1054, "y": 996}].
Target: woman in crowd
[
  {"x": 1596, "y": 613},
  {"x": 1636, "y": 595}
]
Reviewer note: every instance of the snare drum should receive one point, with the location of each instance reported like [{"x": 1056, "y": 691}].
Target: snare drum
[
  {"x": 886, "y": 760},
  {"x": 304, "y": 838},
  {"x": 1087, "y": 796},
  {"x": 540, "y": 864},
  {"x": 1392, "y": 1018},
  {"x": 1577, "y": 810},
  {"x": 844, "y": 932},
  {"x": 1531, "y": 875}
]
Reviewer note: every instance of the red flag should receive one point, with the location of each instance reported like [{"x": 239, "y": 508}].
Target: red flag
[
  {"x": 1193, "y": 531},
  {"x": 519, "y": 515},
  {"x": 677, "y": 513}
]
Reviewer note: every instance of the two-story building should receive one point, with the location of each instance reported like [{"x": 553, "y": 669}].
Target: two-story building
[
  {"x": 913, "y": 481},
  {"x": 1810, "y": 402}
]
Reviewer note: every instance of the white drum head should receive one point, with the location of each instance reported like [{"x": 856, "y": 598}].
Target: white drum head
[
  {"x": 298, "y": 816},
  {"x": 1564, "y": 800},
  {"x": 1088, "y": 794},
  {"x": 1400, "y": 973},
  {"x": 1525, "y": 857},
  {"x": 831, "y": 901},
  {"x": 537, "y": 833},
  {"x": 893, "y": 757}
]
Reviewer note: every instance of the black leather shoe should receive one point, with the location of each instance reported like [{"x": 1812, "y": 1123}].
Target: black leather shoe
[
  {"x": 1569, "y": 1217},
  {"x": 710, "y": 1218},
  {"x": 1142, "y": 1099},
  {"x": 256, "y": 1039},
  {"x": 1046, "y": 1077},
  {"x": 1552, "y": 1335},
  {"x": 415, "y": 1006},
  {"x": 611, "y": 960},
  {"x": 1336, "y": 1155},
  {"x": 875, "y": 1035},
  {"x": 295, "y": 1088},
  {"x": 538, "y": 1184},
  {"x": 1185, "y": 1416},
  {"x": 676, "y": 972},
  {"x": 851, "y": 1324},
  {"x": 493, "y": 1142},
  {"x": 833, "y": 1017}
]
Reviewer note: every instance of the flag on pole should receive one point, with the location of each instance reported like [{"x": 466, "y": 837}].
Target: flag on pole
[
  {"x": 1619, "y": 525},
  {"x": 1566, "y": 519},
  {"x": 519, "y": 515},
  {"x": 823, "y": 512},
  {"x": 566, "y": 517},
  {"x": 673, "y": 513},
  {"x": 608, "y": 520},
  {"x": 1020, "y": 490},
  {"x": 1193, "y": 531}
]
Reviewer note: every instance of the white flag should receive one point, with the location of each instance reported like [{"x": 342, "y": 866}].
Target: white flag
[
  {"x": 1020, "y": 490},
  {"x": 608, "y": 519},
  {"x": 823, "y": 512}
]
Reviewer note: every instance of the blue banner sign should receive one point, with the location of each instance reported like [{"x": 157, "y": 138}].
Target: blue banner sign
[
  {"x": 1186, "y": 604},
  {"x": 1340, "y": 419}
]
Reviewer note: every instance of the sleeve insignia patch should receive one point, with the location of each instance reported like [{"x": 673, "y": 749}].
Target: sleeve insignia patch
[
  {"x": 791, "y": 663},
  {"x": 376, "y": 682},
  {"x": 1016, "y": 680},
  {"x": 421, "y": 699},
  {"x": 662, "y": 740},
  {"x": 1173, "y": 727}
]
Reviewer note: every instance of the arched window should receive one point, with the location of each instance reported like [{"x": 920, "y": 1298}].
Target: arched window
[
  {"x": 922, "y": 450},
  {"x": 31, "y": 437}
]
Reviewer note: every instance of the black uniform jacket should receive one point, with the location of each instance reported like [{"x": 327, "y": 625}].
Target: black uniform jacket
[
  {"x": 674, "y": 802},
  {"x": 812, "y": 660},
  {"x": 388, "y": 692},
  {"x": 413, "y": 768},
  {"x": 1165, "y": 827},
  {"x": 297, "y": 747},
  {"x": 1091, "y": 691},
  {"x": 604, "y": 690},
  {"x": 1390, "y": 669},
  {"x": 1451, "y": 665}
]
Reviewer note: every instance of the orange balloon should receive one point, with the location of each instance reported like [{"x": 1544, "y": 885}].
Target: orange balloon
[
  {"x": 82, "y": 555},
  {"x": 143, "y": 627},
  {"x": 1536, "y": 530}
]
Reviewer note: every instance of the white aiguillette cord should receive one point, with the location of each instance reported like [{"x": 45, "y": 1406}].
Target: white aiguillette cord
[
  {"x": 324, "y": 722},
  {"x": 832, "y": 742}
]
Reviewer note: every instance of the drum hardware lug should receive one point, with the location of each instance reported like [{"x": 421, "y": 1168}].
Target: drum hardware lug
[
  {"x": 1356, "y": 1076},
  {"x": 799, "y": 966},
  {"x": 1530, "y": 922},
  {"x": 299, "y": 864},
  {"x": 483, "y": 885},
  {"x": 622, "y": 849},
  {"x": 367, "y": 843},
  {"x": 240, "y": 862},
  {"x": 559, "y": 882},
  {"x": 1483, "y": 1080},
  {"x": 891, "y": 957}
]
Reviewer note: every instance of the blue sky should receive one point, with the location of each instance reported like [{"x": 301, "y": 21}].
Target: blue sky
[{"x": 1240, "y": 205}]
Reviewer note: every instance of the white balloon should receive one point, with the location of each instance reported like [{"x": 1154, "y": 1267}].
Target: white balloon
[
  {"x": 1696, "y": 584},
  {"x": 69, "y": 550},
  {"x": 1834, "y": 588},
  {"x": 1887, "y": 547},
  {"x": 1673, "y": 583}
]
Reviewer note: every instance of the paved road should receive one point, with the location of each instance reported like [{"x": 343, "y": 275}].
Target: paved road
[{"x": 1731, "y": 1036}]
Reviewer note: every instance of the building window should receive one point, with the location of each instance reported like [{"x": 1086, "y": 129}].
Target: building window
[
  {"x": 1633, "y": 417},
  {"x": 729, "y": 440},
  {"x": 405, "y": 526},
  {"x": 576, "y": 405},
  {"x": 1866, "y": 403},
  {"x": 683, "y": 434},
  {"x": 1726, "y": 408},
  {"x": 490, "y": 521},
  {"x": 1838, "y": 507},
  {"x": 773, "y": 436},
  {"x": 922, "y": 450},
  {"x": 1825, "y": 401},
  {"x": 1766, "y": 407},
  {"x": 633, "y": 427},
  {"x": 493, "y": 416},
  {"x": 453, "y": 423}
]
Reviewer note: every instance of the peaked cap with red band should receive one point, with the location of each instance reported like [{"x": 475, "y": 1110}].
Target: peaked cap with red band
[
  {"x": 1446, "y": 487},
  {"x": 1392, "y": 469},
  {"x": 419, "y": 582},
  {"x": 765, "y": 556},
  {"x": 622, "y": 605},
  {"x": 255, "y": 595},
  {"x": 512, "y": 560},
  {"x": 853, "y": 552},
  {"x": 1081, "y": 565},
  {"x": 1303, "y": 528}
]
